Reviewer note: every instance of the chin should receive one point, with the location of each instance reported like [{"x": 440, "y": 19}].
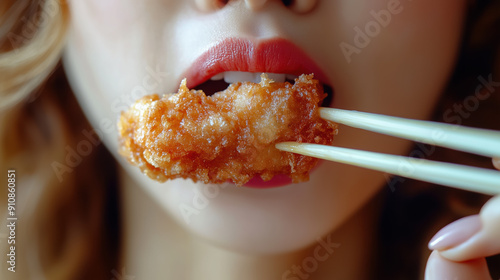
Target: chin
[{"x": 260, "y": 221}]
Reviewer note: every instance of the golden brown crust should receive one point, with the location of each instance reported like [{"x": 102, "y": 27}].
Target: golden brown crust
[{"x": 227, "y": 136}]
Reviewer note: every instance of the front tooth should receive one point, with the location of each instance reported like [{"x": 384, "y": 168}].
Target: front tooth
[
  {"x": 237, "y": 76},
  {"x": 218, "y": 77},
  {"x": 277, "y": 78},
  {"x": 291, "y": 77},
  {"x": 256, "y": 77}
]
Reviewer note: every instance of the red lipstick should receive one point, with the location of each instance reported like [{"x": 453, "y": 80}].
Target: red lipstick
[{"x": 235, "y": 54}]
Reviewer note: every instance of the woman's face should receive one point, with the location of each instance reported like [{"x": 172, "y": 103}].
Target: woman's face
[{"x": 385, "y": 56}]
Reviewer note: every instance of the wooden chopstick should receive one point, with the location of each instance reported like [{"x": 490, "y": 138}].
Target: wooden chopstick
[
  {"x": 447, "y": 174},
  {"x": 474, "y": 140},
  {"x": 478, "y": 141}
]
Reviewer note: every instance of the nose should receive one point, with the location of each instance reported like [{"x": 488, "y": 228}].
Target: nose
[
  {"x": 210, "y": 5},
  {"x": 255, "y": 4},
  {"x": 298, "y": 6}
]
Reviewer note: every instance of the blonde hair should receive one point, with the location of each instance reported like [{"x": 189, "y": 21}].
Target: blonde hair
[
  {"x": 33, "y": 35},
  {"x": 59, "y": 228}
]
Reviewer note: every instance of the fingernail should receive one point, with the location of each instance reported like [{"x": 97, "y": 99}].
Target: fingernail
[{"x": 455, "y": 233}]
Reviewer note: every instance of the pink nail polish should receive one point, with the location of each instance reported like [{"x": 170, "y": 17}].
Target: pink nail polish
[{"x": 455, "y": 233}]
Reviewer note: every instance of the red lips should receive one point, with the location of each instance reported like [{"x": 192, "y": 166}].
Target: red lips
[{"x": 271, "y": 56}]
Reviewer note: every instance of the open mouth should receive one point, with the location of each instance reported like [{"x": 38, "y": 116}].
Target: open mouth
[
  {"x": 243, "y": 60},
  {"x": 221, "y": 81}
]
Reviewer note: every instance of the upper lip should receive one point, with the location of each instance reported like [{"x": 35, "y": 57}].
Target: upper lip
[{"x": 236, "y": 54}]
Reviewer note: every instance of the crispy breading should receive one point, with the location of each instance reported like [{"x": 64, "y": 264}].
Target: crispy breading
[{"x": 229, "y": 136}]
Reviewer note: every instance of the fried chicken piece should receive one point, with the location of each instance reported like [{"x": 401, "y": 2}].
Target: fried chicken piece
[{"x": 229, "y": 136}]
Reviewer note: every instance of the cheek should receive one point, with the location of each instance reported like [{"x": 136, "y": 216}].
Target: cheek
[
  {"x": 396, "y": 52},
  {"x": 110, "y": 16}
]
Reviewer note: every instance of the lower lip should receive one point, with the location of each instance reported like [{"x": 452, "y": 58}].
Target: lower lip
[{"x": 277, "y": 181}]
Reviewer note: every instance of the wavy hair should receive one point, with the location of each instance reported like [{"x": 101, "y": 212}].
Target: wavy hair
[{"x": 68, "y": 225}]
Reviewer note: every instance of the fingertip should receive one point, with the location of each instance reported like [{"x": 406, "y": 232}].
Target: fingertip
[
  {"x": 440, "y": 268},
  {"x": 455, "y": 233},
  {"x": 484, "y": 243}
]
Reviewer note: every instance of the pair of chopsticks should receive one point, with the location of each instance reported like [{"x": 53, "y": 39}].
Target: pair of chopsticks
[{"x": 473, "y": 140}]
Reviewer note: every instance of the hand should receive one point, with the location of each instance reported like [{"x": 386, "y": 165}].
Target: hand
[{"x": 459, "y": 249}]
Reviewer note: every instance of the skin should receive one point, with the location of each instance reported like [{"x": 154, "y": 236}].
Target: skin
[{"x": 112, "y": 47}]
